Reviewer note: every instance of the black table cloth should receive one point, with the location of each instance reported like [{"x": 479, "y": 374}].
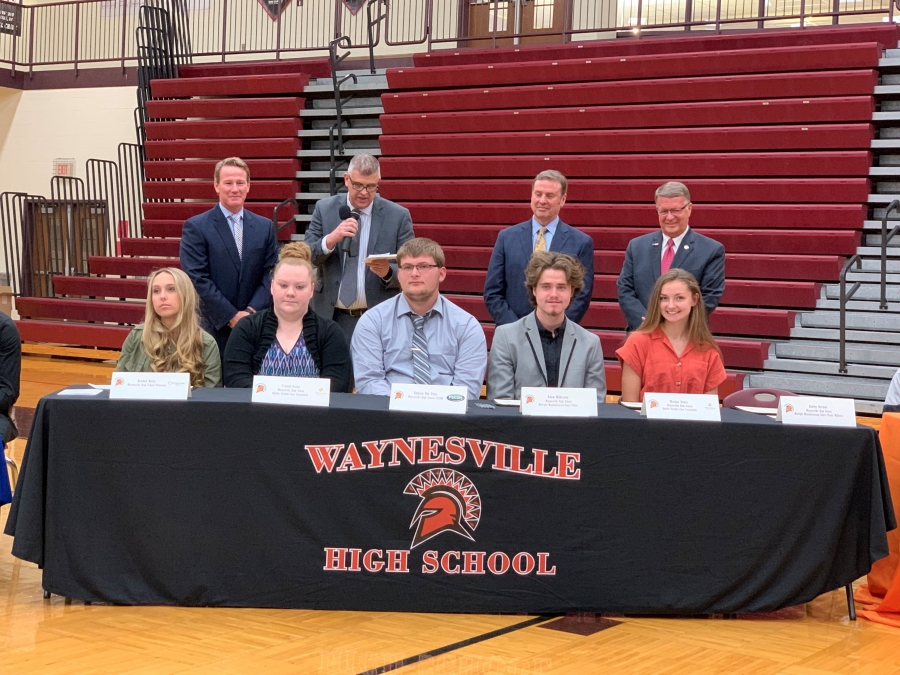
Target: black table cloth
[{"x": 218, "y": 501}]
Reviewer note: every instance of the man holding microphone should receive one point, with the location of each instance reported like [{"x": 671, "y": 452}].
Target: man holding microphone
[{"x": 345, "y": 230}]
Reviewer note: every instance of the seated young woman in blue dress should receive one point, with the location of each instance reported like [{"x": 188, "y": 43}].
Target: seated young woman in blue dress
[
  {"x": 289, "y": 340},
  {"x": 171, "y": 340}
]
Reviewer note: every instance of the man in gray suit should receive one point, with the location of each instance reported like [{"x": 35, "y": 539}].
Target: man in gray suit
[
  {"x": 675, "y": 245},
  {"x": 345, "y": 230},
  {"x": 544, "y": 349}
]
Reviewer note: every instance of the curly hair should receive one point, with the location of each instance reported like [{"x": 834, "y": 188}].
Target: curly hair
[{"x": 178, "y": 349}]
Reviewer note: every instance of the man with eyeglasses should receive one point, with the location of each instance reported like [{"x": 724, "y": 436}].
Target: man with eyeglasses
[
  {"x": 675, "y": 245},
  {"x": 345, "y": 230},
  {"x": 419, "y": 336}
]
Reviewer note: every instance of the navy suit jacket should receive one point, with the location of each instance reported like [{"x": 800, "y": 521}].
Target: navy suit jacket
[
  {"x": 701, "y": 256},
  {"x": 226, "y": 283},
  {"x": 504, "y": 288}
]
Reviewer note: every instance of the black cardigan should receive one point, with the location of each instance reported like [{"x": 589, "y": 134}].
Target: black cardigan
[{"x": 254, "y": 334}]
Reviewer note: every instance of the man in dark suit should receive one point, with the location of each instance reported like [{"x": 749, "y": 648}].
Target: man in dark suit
[
  {"x": 675, "y": 245},
  {"x": 504, "y": 288},
  {"x": 228, "y": 253},
  {"x": 349, "y": 284}
]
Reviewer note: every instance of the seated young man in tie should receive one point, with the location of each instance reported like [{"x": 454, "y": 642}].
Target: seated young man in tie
[
  {"x": 419, "y": 335},
  {"x": 544, "y": 349}
]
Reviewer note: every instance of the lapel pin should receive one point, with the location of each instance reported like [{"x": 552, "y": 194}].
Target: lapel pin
[{"x": 686, "y": 247}]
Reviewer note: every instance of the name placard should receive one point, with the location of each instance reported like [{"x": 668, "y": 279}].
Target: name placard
[
  {"x": 659, "y": 406},
  {"x": 315, "y": 391},
  {"x": 817, "y": 411},
  {"x": 558, "y": 402},
  {"x": 151, "y": 386},
  {"x": 429, "y": 398}
]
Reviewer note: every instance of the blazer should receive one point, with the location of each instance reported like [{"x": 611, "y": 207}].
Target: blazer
[
  {"x": 517, "y": 360},
  {"x": 226, "y": 283},
  {"x": 505, "y": 294},
  {"x": 391, "y": 226},
  {"x": 135, "y": 359},
  {"x": 253, "y": 335},
  {"x": 701, "y": 256}
]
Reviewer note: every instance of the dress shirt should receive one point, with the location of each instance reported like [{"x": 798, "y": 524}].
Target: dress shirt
[
  {"x": 365, "y": 226},
  {"x": 548, "y": 235},
  {"x": 382, "y": 347},
  {"x": 676, "y": 244},
  {"x": 552, "y": 345},
  {"x": 229, "y": 218}
]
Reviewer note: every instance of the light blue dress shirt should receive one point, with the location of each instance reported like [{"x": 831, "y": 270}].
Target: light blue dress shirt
[
  {"x": 240, "y": 214},
  {"x": 548, "y": 235},
  {"x": 382, "y": 347}
]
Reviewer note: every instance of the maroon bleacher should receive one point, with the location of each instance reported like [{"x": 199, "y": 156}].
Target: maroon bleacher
[{"x": 771, "y": 131}]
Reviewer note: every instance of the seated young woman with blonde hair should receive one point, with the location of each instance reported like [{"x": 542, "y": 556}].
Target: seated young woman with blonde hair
[
  {"x": 672, "y": 351},
  {"x": 171, "y": 340},
  {"x": 289, "y": 340}
]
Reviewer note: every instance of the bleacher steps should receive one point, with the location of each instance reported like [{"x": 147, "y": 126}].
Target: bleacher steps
[
  {"x": 352, "y": 132},
  {"x": 859, "y": 320},
  {"x": 811, "y": 350},
  {"x": 348, "y": 111},
  {"x": 831, "y": 334},
  {"x": 869, "y": 394},
  {"x": 795, "y": 365}
]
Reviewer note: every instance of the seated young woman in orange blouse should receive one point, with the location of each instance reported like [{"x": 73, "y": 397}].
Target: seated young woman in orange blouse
[{"x": 672, "y": 351}]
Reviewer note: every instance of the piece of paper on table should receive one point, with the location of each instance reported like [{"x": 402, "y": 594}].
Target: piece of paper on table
[
  {"x": 80, "y": 392},
  {"x": 100, "y": 386},
  {"x": 508, "y": 402}
]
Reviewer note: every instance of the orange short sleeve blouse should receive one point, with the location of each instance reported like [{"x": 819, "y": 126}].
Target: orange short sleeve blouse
[{"x": 652, "y": 357}]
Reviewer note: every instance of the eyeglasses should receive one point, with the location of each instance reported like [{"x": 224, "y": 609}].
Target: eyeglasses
[
  {"x": 421, "y": 268},
  {"x": 359, "y": 187},
  {"x": 674, "y": 212}
]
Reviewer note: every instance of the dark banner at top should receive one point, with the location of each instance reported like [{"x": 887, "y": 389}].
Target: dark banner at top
[
  {"x": 354, "y": 5},
  {"x": 274, "y": 8},
  {"x": 10, "y": 18}
]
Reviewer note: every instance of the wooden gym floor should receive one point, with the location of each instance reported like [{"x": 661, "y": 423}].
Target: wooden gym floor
[{"x": 57, "y": 637}]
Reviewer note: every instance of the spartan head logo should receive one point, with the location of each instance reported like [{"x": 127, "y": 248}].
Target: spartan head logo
[{"x": 450, "y": 503}]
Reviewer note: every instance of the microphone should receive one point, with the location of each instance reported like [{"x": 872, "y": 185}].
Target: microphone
[{"x": 344, "y": 212}]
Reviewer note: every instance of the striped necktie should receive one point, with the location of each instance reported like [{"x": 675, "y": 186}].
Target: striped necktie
[
  {"x": 668, "y": 257},
  {"x": 421, "y": 364}
]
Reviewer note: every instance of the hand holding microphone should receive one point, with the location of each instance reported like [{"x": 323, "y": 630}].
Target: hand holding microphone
[{"x": 348, "y": 227}]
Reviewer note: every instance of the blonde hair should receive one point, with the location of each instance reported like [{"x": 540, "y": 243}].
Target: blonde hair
[
  {"x": 420, "y": 247},
  {"x": 698, "y": 331},
  {"x": 236, "y": 162},
  {"x": 178, "y": 349},
  {"x": 299, "y": 254}
]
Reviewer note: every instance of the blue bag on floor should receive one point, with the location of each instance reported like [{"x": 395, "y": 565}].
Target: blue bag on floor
[{"x": 5, "y": 488}]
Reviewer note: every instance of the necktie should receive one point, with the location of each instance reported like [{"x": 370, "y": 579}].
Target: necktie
[
  {"x": 347, "y": 294},
  {"x": 237, "y": 227},
  {"x": 540, "y": 244},
  {"x": 421, "y": 365},
  {"x": 668, "y": 257}
]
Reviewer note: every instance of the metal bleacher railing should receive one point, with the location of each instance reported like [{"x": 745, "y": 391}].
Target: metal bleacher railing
[{"x": 80, "y": 32}]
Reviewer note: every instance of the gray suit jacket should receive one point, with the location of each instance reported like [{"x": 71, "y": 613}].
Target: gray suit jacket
[
  {"x": 391, "y": 226},
  {"x": 517, "y": 360},
  {"x": 701, "y": 256}
]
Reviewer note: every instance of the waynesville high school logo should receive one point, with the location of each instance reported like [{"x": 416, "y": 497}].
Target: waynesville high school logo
[{"x": 450, "y": 503}]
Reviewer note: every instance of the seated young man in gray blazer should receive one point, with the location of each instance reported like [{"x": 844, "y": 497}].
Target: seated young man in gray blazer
[{"x": 544, "y": 349}]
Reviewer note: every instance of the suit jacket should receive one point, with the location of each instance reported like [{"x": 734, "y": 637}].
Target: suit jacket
[
  {"x": 701, "y": 256},
  {"x": 504, "y": 288},
  {"x": 226, "y": 283},
  {"x": 391, "y": 226},
  {"x": 517, "y": 360}
]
